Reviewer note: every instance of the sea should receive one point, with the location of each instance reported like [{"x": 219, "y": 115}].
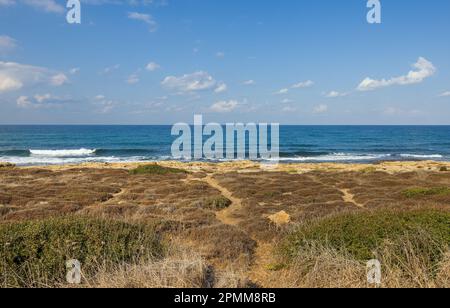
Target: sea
[{"x": 56, "y": 145}]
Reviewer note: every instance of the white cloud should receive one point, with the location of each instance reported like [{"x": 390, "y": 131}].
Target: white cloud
[
  {"x": 334, "y": 94},
  {"x": 9, "y": 84},
  {"x": 42, "y": 98},
  {"x": 133, "y": 79},
  {"x": 221, "y": 87},
  {"x": 289, "y": 109},
  {"x": 74, "y": 71},
  {"x": 249, "y": 82},
  {"x": 445, "y": 94},
  {"x": 50, "y": 6},
  {"x": 320, "y": 109},
  {"x": 146, "y": 18},
  {"x": 59, "y": 80},
  {"x": 41, "y": 101},
  {"x": 110, "y": 69},
  {"x": 197, "y": 81},
  {"x": 282, "y": 91},
  {"x": 220, "y": 54},
  {"x": 303, "y": 84},
  {"x": 287, "y": 101},
  {"x": 152, "y": 66},
  {"x": 394, "y": 111},
  {"x": 7, "y": 44},
  {"x": 224, "y": 106},
  {"x": 14, "y": 76},
  {"x": 422, "y": 69},
  {"x": 99, "y": 97},
  {"x": 23, "y": 102}
]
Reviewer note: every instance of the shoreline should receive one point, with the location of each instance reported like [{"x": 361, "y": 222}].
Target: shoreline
[{"x": 251, "y": 167}]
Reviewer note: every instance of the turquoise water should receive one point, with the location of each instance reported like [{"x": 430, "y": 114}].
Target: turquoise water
[{"x": 42, "y": 145}]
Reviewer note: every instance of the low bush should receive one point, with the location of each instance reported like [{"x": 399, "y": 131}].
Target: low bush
[
  {"x": 156, "y": 169},
  {"x": 363, "y": 234},
  {"x": 424, "y": 192},
  {"x": 34, "y": 253}
]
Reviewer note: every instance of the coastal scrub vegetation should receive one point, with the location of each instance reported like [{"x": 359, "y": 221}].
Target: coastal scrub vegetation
[
  {"x": 413, "y": 247},
  {"x": 156, "y": 169},
  {"x": 34, "y": 253},
  {"x": 363, "y": 234},
  {"x": 423, "y": 192}
]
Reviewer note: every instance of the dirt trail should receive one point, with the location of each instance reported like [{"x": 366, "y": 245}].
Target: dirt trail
[
  {"x": 262, "y": 256},
  {"x": 226, "y": 215},
  {"x": 350, "y": 198}
]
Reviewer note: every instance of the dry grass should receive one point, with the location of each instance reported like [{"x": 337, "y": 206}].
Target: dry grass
[
  {"x": 319, "y": 266},
  {"x": 183, "y": 267}
]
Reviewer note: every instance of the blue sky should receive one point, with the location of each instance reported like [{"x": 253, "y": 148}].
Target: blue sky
[{"x": 162, "y": 61}]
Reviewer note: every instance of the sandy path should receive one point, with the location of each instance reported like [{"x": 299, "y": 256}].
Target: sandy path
[
  {"x": 350, "y": 198},
  {"x": 225, "y": 216},
  {"x": 262, "y": 256}
]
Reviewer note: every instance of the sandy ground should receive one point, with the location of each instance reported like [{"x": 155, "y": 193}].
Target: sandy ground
[{"x": 248, "y": 166}]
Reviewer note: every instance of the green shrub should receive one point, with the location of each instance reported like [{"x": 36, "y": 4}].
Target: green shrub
[
  {"x": 362, "y": 234},
  {"x": 443, "y": 169},
  {"x": 423, "y": 192},
  {"x": 155, "y": 169},
  {"x": 34, "y": 254},
  {"x": 217, "y": 203}
]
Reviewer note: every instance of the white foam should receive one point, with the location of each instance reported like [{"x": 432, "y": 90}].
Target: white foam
[
  {"x": 41, "y": 160},
  {"x": 63, "y": 153},
  {"x": 421, "y": 156},
  {"x": 336, "y": 157}
]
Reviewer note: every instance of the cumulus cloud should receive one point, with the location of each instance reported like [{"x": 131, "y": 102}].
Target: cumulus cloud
[
  {"x": 423, "y": 69},
  {"x": 320, "y": 109},
  {"x": 39, "y": 101},
  {"x": 15, "y": 76},
  {"x": 445, "y": 94},
  {"x": 59, "y": 79},
  {"x": 110, "y": 69},
  {"x": 249, "y": 82},
  {"x": 283, "y": 91},
  {"x": 220, "y": 54},
  {"x": 7, "y": 44},
  {"x": 133, "y": 79},
  {"x": 23, "y": 102},
  {"x": 9, "y": 84},
  {"x": 145, "y": 18},
  {"x": 334, "y": 94},
  {"x": 198, "y": 81},
  {"x": 152, "y": 66},
  {"x": 224, "y": 106},
  {"x": 74, "y": 71},
  {"x": 221, "y": 87},
  {"x": 303, "y": 84}
]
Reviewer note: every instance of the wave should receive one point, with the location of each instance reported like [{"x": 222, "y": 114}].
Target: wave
[
  {"x": 63, "y": 153},
  {"x": 42, "y": 160},
  {"x": 421, "y": 156},
  {"x": 334, "y": 157}
]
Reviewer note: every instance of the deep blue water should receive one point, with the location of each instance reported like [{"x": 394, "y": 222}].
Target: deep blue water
[{"x": 38, "y": 145}]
